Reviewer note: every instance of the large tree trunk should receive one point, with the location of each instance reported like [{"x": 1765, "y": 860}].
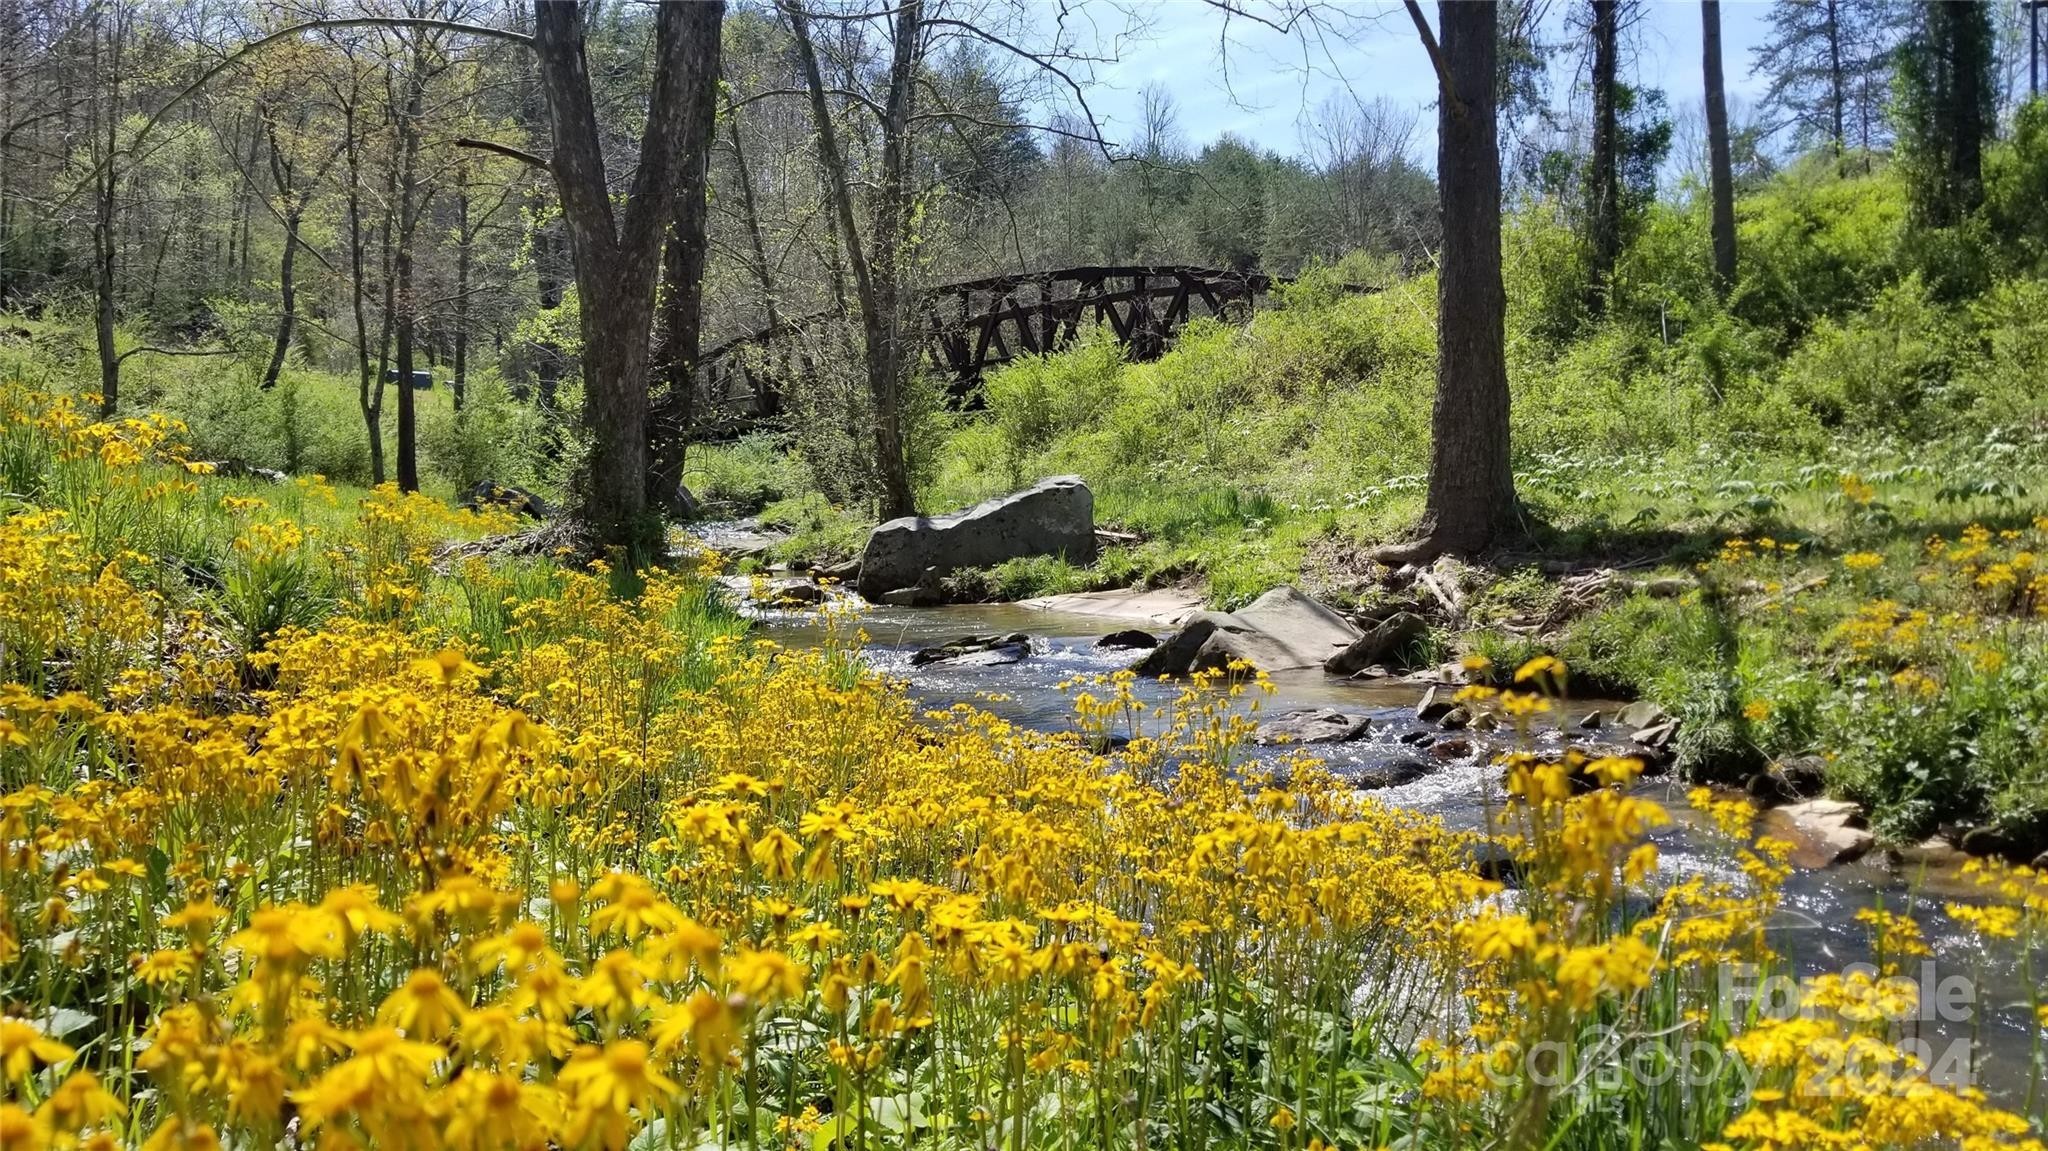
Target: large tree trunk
[
  {"x": 410, "y": 206},
  {"x": 106, "y": 243},
  {"x": 1603, "y": 179},
  {"x": 1721, "y": 174},
  {"x": 617, "y": 262},
  {"x": 1471, "y": 501},
  {"x": 687, "y": 250},
  {"x": 1971, "y": 47}
]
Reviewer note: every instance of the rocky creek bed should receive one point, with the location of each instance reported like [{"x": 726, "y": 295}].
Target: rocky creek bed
[{"x": 1370, "y": 732}]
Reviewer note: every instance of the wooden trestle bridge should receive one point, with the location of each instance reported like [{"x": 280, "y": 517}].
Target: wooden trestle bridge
[{"x": 972, "y": 326}]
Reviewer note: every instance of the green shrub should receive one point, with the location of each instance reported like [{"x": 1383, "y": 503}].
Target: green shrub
[
  {"x": 1815, "y": 243},
  {"x": 1882, "y": 370},
  {"x": 743, "y": 476},
  {"x": 493, "y": 437}
]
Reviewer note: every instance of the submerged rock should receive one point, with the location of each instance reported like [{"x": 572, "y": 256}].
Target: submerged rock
[
  {"x": 1054, "y": 517},
  {"x": 1320, "y": 725},
  {"x": 1823, "y": 832},
  {"x": 1393, "y": 773},
  {"x": 1497, "y": 863}
]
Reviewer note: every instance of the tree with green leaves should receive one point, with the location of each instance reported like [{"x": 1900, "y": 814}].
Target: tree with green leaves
[
  {"x": 1829, "y": 65},
  {"x": 1945, "y": 108}
]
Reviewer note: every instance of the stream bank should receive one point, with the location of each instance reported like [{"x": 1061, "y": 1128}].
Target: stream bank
[{"x": 1411, "y": 763}]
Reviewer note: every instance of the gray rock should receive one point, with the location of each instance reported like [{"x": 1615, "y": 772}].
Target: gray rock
[
  {"x": 844, "y": 572},
  {"x": 1418, "y": 738},
  {"x": 1823, "y": 832},
  {"x": 490, "y": 493},
  {"x": 1282, "y": 630},
  {"x": 1436, "y": 704},
  {"x": 975, "y": 651},
  {"x": 1788, "y": 780},
  {"x": 1130, "y": 639},
  {"x": 678, "y": 502},
  {"x": 1392, "y": 773},
  {"x": 1659, "y": 736},
  {"x": 235, "y": 469},
  {"x": 1385, "y": 642},
  {"x": 795, "y": 589},
  {"x": 992, "y": 657},
  {"x": 1640, "y": 714},
  {"x": 1934, "y": 851},
  {"x": 910, "y": 597},
  {"x": 1321, "y": 725},
  {"x": 1592, "y": 721},
  {"x": 1456, "y": 719},
  {"x": 1492, "y": 861},
  {"x": 1055, "y": 517}
]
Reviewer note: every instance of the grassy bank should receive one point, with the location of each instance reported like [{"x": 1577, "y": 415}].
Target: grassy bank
[
  {"x": 1858, "y": 434},
  {"x": 475, "y": 853}
]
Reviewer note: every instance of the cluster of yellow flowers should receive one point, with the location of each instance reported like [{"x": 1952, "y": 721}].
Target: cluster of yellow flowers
[{"x": 615, "y": 874}]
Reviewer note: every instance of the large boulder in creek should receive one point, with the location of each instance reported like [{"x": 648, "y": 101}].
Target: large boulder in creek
[
  {"x": 1054, "y": 517},
  {"x": 1386, "y": 643},
  {"x": 1282, "y": 630}
]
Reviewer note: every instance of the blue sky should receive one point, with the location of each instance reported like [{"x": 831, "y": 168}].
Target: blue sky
[{"x": 1263, "y": 86}]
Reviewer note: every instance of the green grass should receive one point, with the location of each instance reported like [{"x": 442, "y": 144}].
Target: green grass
[{"x": 310, "y": 423}]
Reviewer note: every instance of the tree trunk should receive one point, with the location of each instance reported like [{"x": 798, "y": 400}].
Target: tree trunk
[
  {"x": 106, "y": 244},
  {"x": 1838, "y": 84},
  {"x": 687, "y": 250},
  {"x": 459, "y": 386},
  {"x": 287, "y": 300},
  {"x": 877, "y": 282},
  {"x": 617, "y": 254},
  {"x": 369, "y": 382},
  {"x": 1970, "y": 49},
  {"x": 770, "y": 403},
  {"x": 1471, "y": 500},
  {"x": 406, "y": 319},
  {"x": 1720, "y": 165},
  {"x": 1603, "y": 216}
]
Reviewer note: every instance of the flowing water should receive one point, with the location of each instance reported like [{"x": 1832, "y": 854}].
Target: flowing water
[{"x": 1817, "y": 930}]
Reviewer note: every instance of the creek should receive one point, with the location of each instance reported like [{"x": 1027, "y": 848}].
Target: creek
[{"x": 1816, "y": 930}]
